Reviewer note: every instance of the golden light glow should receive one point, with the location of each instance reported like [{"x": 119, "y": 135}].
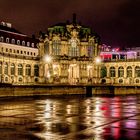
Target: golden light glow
[{"x": 48, "y": 59}]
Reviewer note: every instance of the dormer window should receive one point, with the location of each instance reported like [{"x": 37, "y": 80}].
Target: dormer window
[
  {"x": 33, "y": 45},
  {"x": 13, "y": 41},
  {"x": 1, "y": 39},
  {"x": 7, "y": 40},
  {"x": 18, "y": 42},
  {"x": 23, "y": 43},
  {"x": 28, "y": 44}
]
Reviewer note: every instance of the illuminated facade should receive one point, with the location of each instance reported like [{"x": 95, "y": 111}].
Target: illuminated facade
[
  {"x": 72, "y": 49},
  {"x": 65, "y": 54},
  {"x": 68, "y": 53},
  {"x": 120, "y": 67},
  {"x": 19, "y": 63}
]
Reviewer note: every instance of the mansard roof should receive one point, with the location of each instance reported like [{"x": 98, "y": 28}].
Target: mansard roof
[
  {"x": 8, "y": 29},
  {"x": 12, "y": 33}
]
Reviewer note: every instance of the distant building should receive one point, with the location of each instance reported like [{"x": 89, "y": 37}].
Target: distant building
[{"x": 120, "y": 67}]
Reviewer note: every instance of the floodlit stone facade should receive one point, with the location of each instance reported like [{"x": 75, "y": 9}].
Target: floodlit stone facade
[
  {"x": 68, "y": 53},
  {"x": 64, "y": 54}
]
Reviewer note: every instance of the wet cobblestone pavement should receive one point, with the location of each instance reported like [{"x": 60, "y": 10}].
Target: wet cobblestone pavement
[{"x": 70, "y": 118}]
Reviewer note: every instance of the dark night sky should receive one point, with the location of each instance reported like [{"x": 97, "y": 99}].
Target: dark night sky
[{"x": 116, "y": 21}]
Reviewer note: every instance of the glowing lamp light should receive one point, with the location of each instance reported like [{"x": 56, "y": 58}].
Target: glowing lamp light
[
  {"x": 48, "y": 59},
  {"x": 98, "y": 60}
]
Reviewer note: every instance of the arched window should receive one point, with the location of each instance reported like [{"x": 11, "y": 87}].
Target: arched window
[
  {"x": 103, "y": 72},
  {"x": 23, "y": 43},
  {"x": 6, "y": 68},
  {"x": 20, "y": 69},
  {"x": 73, "y": 49},
  {"x": 33, "y": 45},
  {"x": 112, "y": 72},
  {"x": 28, "y": 70},
  {"x": 137, "y": 71},
  {"x": 18, "y": 42},
  {"x": 129, "y": 71},
  {"x": 12, "y": 69},
  {"x": 120, "y": 71},
  {"x": 6, "y": 79},
  {"x": 20, "y": 79},
  {"x": 13, "y": 41},
  {"x": 120, "y": 81},
  {"x": 2, "y": 39},
  {"x": 7, "y": 40},
  {"x": 56, "y": 44},
  {"x": 36, "y": 70},
  {"x": 137, "y": 81},
  {"x": 28, "y": 44}
]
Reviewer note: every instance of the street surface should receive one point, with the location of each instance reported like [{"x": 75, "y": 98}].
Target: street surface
[{"x": 70, "y": 118}]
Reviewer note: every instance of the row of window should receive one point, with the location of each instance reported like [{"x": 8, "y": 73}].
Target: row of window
[
  {"x": 17, "y": 42},
  {"x": 73, "y": 49},
  {"x": 19, "y": 69},
  {"x": 112, "y": 71},
  {"x": 7, "y": 50}
]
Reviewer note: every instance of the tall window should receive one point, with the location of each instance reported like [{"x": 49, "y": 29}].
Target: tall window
[
  {"x": 90, "y": 48},
  {"x": 36, "y": 70},
  {"x": 129, "y": 71},
  {"x": 20, "y": 69},
  {"x": 46, "y": 48},
  {"x": 137, "y": 71},
  {"x": 0, "y": 68},
  {"x": 103, "y": 72},
  {"x": 73, "y": 48},
  {"x": 112, "y": 72},
  {"x": 6, "y": 68},
  {"x": 12, "y": 69},
  {"x": 56, "y": 44},
  {"x": 28, "y": 70},
  {"x": 120, "y": 71}
]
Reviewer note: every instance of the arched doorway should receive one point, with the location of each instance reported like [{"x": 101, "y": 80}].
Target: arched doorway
[{"x": 73, "y": 73}]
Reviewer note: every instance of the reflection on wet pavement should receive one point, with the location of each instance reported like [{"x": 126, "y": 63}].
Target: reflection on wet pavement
[{"x": 70, "y": 118}]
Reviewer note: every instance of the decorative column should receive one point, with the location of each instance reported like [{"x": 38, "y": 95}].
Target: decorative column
[
  {"x": 133, "y": 73},
  {"x": 9, "y": 72},
  {"x": 2, "y": 78},
  {"x": 32, "y": 73},
  {"x": 16, "y": 72}
]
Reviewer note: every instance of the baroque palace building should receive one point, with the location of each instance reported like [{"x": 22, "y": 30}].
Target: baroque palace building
[
  {"x": 68, "y": 53},
  {"x": 64, "y": 54}
]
